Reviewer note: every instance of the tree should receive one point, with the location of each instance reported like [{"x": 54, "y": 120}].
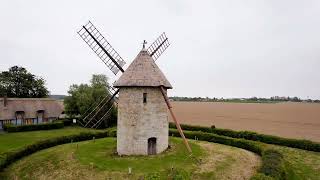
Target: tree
[
  {"x": 18, "y": 82},
  {"x": 83, "y": 98}
]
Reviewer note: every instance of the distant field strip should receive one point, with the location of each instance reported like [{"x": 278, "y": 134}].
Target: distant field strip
[{"x": 292, "y": 120}]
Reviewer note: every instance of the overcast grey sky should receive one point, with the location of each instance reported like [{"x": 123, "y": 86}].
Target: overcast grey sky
[{"x": 219, "y": 48}]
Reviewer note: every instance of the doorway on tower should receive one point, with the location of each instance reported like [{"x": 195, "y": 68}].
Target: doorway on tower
[{"x": 152, "y": 146}]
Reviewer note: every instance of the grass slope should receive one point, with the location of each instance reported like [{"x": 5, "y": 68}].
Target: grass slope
[
  {"x": 97, "y": 160},
  {"x": 300, "y": 164}
]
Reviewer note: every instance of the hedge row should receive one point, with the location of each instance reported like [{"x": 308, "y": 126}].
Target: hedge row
[
  {"x": 11, "y": 156},
  {"x": 32, "y": 127},
  {"x": 273, "y": 167},
  {"x": 269, "y": 139},
  {"x": 66, "y": 121}
]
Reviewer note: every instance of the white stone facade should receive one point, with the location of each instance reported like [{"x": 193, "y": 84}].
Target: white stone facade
[{"x": 139, "y": 121}]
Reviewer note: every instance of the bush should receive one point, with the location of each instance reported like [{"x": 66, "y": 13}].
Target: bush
[
  {"x": 11, "y": 156},
  {"x": 67, "y": 121},
  {"x": 32, "y": 127},
  {"x": 294, "y": 143}
]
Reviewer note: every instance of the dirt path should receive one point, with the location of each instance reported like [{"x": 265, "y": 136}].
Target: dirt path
[{"x": 227, "y": 162}]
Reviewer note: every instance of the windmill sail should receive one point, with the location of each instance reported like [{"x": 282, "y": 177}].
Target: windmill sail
[
  {"x": 91, "y": 118},
  {"x": 90, "y": 34},
  {"x": 105, "y": 116},
  {"x": 158, "y": 46},
  {"x": 97, "y": 104}
]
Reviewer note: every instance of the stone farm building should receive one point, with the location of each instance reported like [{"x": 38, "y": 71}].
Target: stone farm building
[{"x": 20, "y": 111}]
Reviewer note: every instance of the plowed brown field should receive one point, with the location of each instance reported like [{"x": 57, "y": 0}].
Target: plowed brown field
[{"x": 293, "y": 120}]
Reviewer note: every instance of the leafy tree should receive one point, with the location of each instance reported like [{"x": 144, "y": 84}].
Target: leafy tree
[
  {"x": 18, "y": 82},
  {"x": 83, "y": 98}
]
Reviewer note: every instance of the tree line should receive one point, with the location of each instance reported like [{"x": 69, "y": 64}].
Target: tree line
[{"x": 248, "y": 100}]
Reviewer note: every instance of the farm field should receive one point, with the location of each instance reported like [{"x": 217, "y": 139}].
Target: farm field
[{"x": 292, "y": 120}]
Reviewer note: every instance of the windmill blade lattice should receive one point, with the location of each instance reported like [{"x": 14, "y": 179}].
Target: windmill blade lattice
[
  {"x": 158, "y": 46},
  {"x": 90, "y": 34},
  {"x": 105, "y": 116},
  {"x": 90, "y": 118},
  {"x": 96, "y": 104}
]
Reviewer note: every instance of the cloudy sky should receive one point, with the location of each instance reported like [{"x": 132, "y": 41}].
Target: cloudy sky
[{"x": 219, "y": 48}]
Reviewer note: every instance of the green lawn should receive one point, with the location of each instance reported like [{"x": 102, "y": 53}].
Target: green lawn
[
  {"x": 93, "y": 153},
  {"x": 10, "y": 141},
  {"x": 300, "y": 164},
  {"x": 97, "y": 160}
]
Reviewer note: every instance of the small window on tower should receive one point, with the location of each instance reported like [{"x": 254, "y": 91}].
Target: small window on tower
[{"x": 144, "y": 97}]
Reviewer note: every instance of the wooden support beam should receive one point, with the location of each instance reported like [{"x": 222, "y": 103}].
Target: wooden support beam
[{"x": 175, "y": 119}]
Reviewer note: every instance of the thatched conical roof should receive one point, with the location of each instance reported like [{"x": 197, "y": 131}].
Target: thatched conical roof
[{"x": 143, "y": 72}]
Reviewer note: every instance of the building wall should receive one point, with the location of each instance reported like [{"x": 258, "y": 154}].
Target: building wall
[
  {"x": 26, "y": 121},
  {"x": 138, "y": 121}
]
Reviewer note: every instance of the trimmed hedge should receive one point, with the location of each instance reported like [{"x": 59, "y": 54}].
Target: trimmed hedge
[
  {"x": 203, "y": 136},
  {"x": 66, "y": 121},
  {"x": 11, "y": 156},
  {"x": 272, "y": 160},
  {"x": 32, "y": 127},
  {"x": 269, "y": 139}
]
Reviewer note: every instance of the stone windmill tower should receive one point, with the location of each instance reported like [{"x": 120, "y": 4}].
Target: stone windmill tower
[
  {"x": 142, "y": 111},
  {"x": 143, "y": 104}
]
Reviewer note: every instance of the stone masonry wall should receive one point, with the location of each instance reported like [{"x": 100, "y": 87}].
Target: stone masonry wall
[{"x": 138, "y": 121}]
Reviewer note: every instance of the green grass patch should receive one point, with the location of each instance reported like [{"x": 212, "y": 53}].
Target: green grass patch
[
  {"x": 11, "y": 141},
  {"x": 176, "y": 156},
  {"x": 97, "y": 160},
  {"x": 300, "y": 164}
]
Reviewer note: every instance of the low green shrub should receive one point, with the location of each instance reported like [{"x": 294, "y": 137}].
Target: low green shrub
[
  {"x": 32, "y": 127},
  {"x": 11, "y": 156},
  {"x": 67, "y": 121},
  {"x": 269, "y": 139}
]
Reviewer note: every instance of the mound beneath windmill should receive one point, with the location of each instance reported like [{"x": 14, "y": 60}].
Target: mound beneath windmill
[{"x": 98, "y": 160}]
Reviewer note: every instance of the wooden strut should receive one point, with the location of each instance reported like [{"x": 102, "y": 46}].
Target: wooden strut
[{"x": 175, "y": 119}]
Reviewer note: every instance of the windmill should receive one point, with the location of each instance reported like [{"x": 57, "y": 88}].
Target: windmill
[{"x": 142, "y": 100}]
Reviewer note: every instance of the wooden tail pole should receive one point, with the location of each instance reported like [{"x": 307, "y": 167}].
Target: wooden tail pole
[{"x": 175, "y": 119}]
